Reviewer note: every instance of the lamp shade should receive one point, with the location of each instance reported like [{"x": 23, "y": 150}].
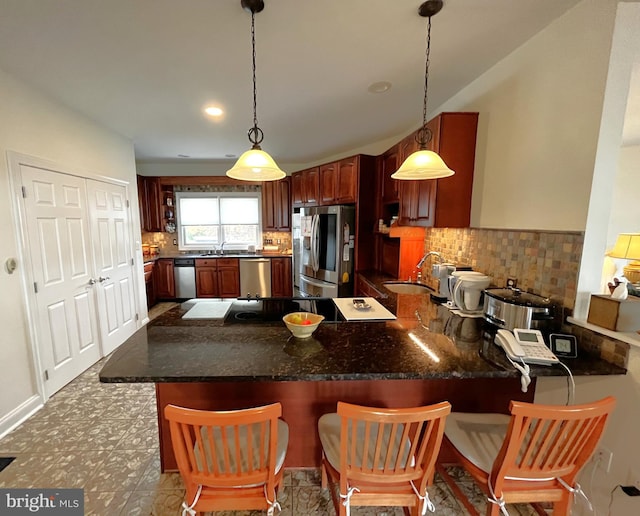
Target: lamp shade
[
  {"x": 627, "y": 247},
  {"x": 423, "y": 164},
  {"x": 255, "y": 165}
]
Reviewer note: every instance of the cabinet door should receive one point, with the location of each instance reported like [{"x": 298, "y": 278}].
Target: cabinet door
[
  {"x": 389, "y": 186},
  {"x": 165, "y": 282},
  {"x": 297, "y": 194},
  {"x": 151, "y": 199},
  {"x": 206, "y": 282},
  {"x": 269, "y": 210},
  {"x": 347, "y": 181},
  {"x": 282, "y": 203},
  {"x": 229, "y": 280},
  {"x": 328, "y": 179},
  {"x": 281, "y": 281},
  {"x": 311, "y": 186},
  {"x": 148, "y": 283}
]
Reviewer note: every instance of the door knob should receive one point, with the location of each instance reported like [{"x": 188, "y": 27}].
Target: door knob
[
  {"x": 101, "y": 279},
  {"x": 92, "y": 281}
]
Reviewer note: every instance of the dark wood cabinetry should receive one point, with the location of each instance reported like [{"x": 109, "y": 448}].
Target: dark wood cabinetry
[
  {"x": 149, "y": 284},
  {"x": 339, "y": 181},
  {"x": 217, "y": 277},
  {"x": 389, "y": 163},
  {"x": 365, "y": 289},
  {"x": 306, "y": 187},
  {"x": 442, "y": 202},
  {"x": 281, "y": 280},
  {"x": 276, "y": 205},
  {"x": 164, "y": 281},
  {"x": 150, "y": 202}
]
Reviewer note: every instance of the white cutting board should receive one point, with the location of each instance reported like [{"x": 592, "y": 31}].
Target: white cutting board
[
  {"x": 208, "y": 310},
  {"x": 377, "y": 312}
]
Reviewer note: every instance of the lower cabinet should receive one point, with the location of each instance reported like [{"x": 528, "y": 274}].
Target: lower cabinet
[
  {"x": 365, "y": 289},
  {"x": 148, "y": 283},
  {"x": 164, "y": 282},
  {"x": 281, "y": 280},
  {"x": 217, "y": 277}
]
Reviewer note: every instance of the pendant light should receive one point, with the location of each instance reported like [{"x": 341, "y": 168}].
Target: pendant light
[
  {"x": 424, "y": 164},
  {"x": 255, "y": 164}
]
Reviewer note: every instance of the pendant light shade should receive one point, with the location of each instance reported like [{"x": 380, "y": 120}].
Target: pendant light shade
[
  {"x": 424, "y": 164},
  {"x": 255, "y": 164}
]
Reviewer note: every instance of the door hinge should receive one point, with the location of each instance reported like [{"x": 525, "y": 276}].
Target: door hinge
[
  {"x": 127, "y": 203},
  {"x": 35, "y": 287},
  {"x": 131, "y": 261},
  {"x": 24, "y": 192},
  {"x": 46, "y": 374},
  {"x": 137, "y": 317}
]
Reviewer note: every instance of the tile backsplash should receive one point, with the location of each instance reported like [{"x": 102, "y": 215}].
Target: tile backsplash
[{"x": 545, "y": 263}]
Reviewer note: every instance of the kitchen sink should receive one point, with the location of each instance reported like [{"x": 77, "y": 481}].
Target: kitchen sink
[{"x": 406, "y": 287}]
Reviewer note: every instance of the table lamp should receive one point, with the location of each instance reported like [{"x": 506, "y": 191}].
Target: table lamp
[{"x": 627, "y": 247}]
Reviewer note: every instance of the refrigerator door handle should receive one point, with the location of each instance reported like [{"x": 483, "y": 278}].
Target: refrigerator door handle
[{"x": 315, "y": 243}]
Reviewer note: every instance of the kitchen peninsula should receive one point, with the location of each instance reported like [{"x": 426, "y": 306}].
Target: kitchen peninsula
[{"x": 240, "y": 362}]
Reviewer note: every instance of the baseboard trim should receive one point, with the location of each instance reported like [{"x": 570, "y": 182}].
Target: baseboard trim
[{"x": 20, "y": 414}]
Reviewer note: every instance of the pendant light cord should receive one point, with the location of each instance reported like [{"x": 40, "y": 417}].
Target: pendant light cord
[
  {"x": 423, "y": 137},
  {"x": 255, "y": 133}
]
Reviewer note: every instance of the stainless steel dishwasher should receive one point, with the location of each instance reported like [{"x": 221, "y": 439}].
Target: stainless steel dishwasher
[
  {"x": 255, "y": 277},
  {"x": 184, "y": 273}
]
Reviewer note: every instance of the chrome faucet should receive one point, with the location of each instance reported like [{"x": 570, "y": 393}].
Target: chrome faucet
[
  {"x": 221, "y": 249},
  {"x": 424, "y": 258}
]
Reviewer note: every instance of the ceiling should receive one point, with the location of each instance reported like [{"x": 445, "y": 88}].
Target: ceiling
[{"x": 147, "y": 68}]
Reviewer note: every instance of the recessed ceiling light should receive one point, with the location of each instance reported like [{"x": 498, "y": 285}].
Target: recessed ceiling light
[
  {"x": 379, "y": 87},
  {"x": 230, "y": 156},
  {"x": 183, "y": 156},
  {"x": 213, "y": 111}
]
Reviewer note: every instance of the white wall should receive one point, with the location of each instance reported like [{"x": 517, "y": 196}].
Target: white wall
[
  {"x": 540, "y": 112},
  {"x": 625, "y": 206},
  {"x": 34, "y": 125}
]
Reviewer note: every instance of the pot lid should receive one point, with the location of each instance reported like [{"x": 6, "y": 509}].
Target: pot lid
[{"x": 516, "y": 296}]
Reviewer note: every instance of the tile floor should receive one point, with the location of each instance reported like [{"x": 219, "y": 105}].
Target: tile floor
[{"x": 104, "y": 438}]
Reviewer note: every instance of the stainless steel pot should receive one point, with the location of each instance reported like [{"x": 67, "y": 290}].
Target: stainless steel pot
[{"x": 511, "y": 308}]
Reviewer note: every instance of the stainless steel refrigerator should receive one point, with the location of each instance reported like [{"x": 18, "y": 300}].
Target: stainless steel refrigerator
[{"x": 323, "y": 256}]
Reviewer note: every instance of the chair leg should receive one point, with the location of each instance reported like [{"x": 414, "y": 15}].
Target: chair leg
[
  {"x": 323, "y": 475},
  {"x": 457, "y": 492},
  {"x": 494, "y": 509}
]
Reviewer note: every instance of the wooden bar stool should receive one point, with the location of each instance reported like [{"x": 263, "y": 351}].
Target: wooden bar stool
[
  {"x": 381, "y": 457},
  {"x": 229, "y": 460},
  {"x": 532, "y": 456}
]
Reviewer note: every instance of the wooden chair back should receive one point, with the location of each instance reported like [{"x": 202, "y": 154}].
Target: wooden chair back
[
  {"x": 226, "y": 450},
  {"x": 546, "y": 442},
  {"x": 390, "y": 445}
]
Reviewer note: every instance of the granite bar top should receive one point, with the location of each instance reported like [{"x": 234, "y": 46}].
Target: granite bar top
[{"x": 425, "y": 342}]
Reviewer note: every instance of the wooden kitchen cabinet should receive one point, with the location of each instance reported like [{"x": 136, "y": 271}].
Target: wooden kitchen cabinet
[
  {"x": 389, "y": 163},
  {"x": 217, "y": 277},
  {"x": 276, "y": 205},
  {"x": 442, "y": 202},
  {"x": 339, "y": 181},
  {"x": 164, "y": 281},
  {"x": 150, "y": 203},
  {"x": 148, "y": 283},
  {"x": 306, "y": 187},
  {"x": 365, "y": 289},
  {"x": 281, "y": 279}
]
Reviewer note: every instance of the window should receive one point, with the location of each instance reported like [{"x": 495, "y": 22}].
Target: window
[{"x": 207, "y": 219}]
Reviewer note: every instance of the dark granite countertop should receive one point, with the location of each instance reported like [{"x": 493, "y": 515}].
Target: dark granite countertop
[{"x": 425, "y": 342}]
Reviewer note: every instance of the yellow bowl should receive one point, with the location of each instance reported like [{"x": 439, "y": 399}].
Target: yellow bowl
[{"x": 296, "y": 323}]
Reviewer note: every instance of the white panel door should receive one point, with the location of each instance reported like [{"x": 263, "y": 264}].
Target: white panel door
[
  {"x": 58, "y": 239},
  {"x": 109, "y": 220}
]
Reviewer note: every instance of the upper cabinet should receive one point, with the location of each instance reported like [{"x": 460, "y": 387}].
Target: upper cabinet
[
  {"x": 306, "y": 188},
  {"x": 339, "y": 181},
  {"x": 442, "y": 202},
  {"x": 389, "y": 163},
  {"x": 150, "y": 202},
  {"x": 276, "y": 205}
]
